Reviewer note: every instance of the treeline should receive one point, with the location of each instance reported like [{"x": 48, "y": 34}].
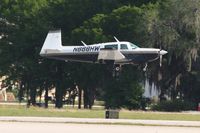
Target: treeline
[{"x": 172, "y": 25}]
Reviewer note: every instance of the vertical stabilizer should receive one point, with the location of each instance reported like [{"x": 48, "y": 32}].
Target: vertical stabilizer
[{"x": 52, "y": 42}]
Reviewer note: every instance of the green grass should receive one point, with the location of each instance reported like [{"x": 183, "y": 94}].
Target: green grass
[
  {"x": 14, "y": 110},
  {"x": 51, "y": 112},
  {"x": 159, "y": 116}
]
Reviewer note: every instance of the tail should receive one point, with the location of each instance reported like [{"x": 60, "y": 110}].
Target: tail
[{"x": 52, "y": 43}]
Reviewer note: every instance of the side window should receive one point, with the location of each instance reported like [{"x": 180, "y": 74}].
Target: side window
[
  {"x": 123, "y": 46},
  {"x": 115, "y": 46}
]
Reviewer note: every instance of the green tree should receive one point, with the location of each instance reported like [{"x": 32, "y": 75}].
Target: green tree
[
  {"x": 176, "y": 29},
  {"x": 124, "y": 92}
]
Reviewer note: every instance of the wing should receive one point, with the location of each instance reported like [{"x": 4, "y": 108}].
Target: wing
[{"x": 110, "y": 54}]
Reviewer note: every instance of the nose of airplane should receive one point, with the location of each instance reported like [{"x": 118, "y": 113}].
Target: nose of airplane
[{"x": 163, "y": 52}]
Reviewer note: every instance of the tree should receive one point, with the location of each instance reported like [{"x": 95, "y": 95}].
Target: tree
[
  {"x": 124, "y": 92},
  {"x": 177, "y": 30}
]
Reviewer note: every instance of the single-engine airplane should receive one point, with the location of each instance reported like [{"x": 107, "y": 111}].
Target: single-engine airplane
[{"x": 115, "y": 53}]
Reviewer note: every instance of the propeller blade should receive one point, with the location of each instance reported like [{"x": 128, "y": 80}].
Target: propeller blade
[
  {"x": 160, "y": 60},
  {"x": 160, "y": 54}
]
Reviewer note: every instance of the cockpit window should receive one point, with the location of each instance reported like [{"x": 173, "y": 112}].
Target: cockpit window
[
  {"x": 114, "y": 46},
  {"x": 133, "y": 46},
  {"x": 123, "y": 46}
]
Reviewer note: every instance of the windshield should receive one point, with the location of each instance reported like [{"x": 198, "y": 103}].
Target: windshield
[{"x": 133, "y": 45}]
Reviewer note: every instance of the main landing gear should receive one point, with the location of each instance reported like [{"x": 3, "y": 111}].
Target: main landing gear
[
  {"x": 114, "y": 69},
  {"x": 117, "y": 70}
]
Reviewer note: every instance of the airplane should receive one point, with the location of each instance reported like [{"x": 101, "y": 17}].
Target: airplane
[{"x": 115, "y": 53}]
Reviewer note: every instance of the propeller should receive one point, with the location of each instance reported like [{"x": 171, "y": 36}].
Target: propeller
[
  {"x": 160, "y": 60},
  {"x": 161, "y": 53}
]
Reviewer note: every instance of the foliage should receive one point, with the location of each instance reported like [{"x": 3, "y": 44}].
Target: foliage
[
  {"x": 124, "y": 92},
  {"x": 174, "y": 106},
  {"x": 174, "y": 30}
]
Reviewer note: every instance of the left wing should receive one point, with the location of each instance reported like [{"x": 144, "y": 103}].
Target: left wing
[{"x": 110, "y": 54}]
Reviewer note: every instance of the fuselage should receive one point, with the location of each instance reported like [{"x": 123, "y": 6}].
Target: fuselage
[{"x": 89, "y": 53}]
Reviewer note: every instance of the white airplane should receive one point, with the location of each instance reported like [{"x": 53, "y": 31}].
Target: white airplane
[{"x": 116, "y": 53}]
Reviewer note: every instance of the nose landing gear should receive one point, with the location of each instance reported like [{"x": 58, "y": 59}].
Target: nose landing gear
[{"x": 145, "y": 67}]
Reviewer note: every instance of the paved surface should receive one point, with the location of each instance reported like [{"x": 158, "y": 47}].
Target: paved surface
[
  {"x": 24, "y": 127},
  {"x": 102, "y": 121}
]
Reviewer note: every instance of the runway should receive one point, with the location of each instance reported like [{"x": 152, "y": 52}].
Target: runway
[
  {"x": 28, "y": 127},
  {"x": 101, "y": 121}
]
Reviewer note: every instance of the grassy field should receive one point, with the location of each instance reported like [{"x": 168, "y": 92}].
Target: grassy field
[
  {"x": 159, "y": 116},
  {"x": 6, "y": 110}
]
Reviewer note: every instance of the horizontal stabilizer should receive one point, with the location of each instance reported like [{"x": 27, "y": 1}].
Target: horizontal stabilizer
[{"x": 110, "y": 55}]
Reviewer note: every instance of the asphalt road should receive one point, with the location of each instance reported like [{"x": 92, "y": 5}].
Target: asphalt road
[
  {"x": 101, "y": 121},
  {"x": 28, "y": 127}
]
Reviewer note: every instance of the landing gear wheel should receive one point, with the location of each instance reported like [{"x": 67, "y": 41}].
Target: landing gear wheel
[
  {"x": 116, "y": 70},
  {"x": 145, "y": 67}
]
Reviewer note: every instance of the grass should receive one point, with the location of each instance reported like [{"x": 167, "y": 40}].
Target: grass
[
  {"x": 50, "y": 112},
  {"x": 16, "y": 110},
  {"x": 159, "y": 116}
]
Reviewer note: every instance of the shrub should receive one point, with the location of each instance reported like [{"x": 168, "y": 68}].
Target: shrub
[{"x": 174, "y": 106}]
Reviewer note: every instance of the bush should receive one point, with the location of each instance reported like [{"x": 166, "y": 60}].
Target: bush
[
  {"x": 174, "y": 106},
  {"x": 124, "y": 91}
]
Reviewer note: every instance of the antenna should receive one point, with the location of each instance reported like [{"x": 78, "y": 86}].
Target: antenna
[
  {"x": 84, "y": 43},
  {"x": 116, "y": 39}
]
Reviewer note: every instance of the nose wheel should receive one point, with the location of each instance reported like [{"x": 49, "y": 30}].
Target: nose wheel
[{"x": 145, "y": 67}]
